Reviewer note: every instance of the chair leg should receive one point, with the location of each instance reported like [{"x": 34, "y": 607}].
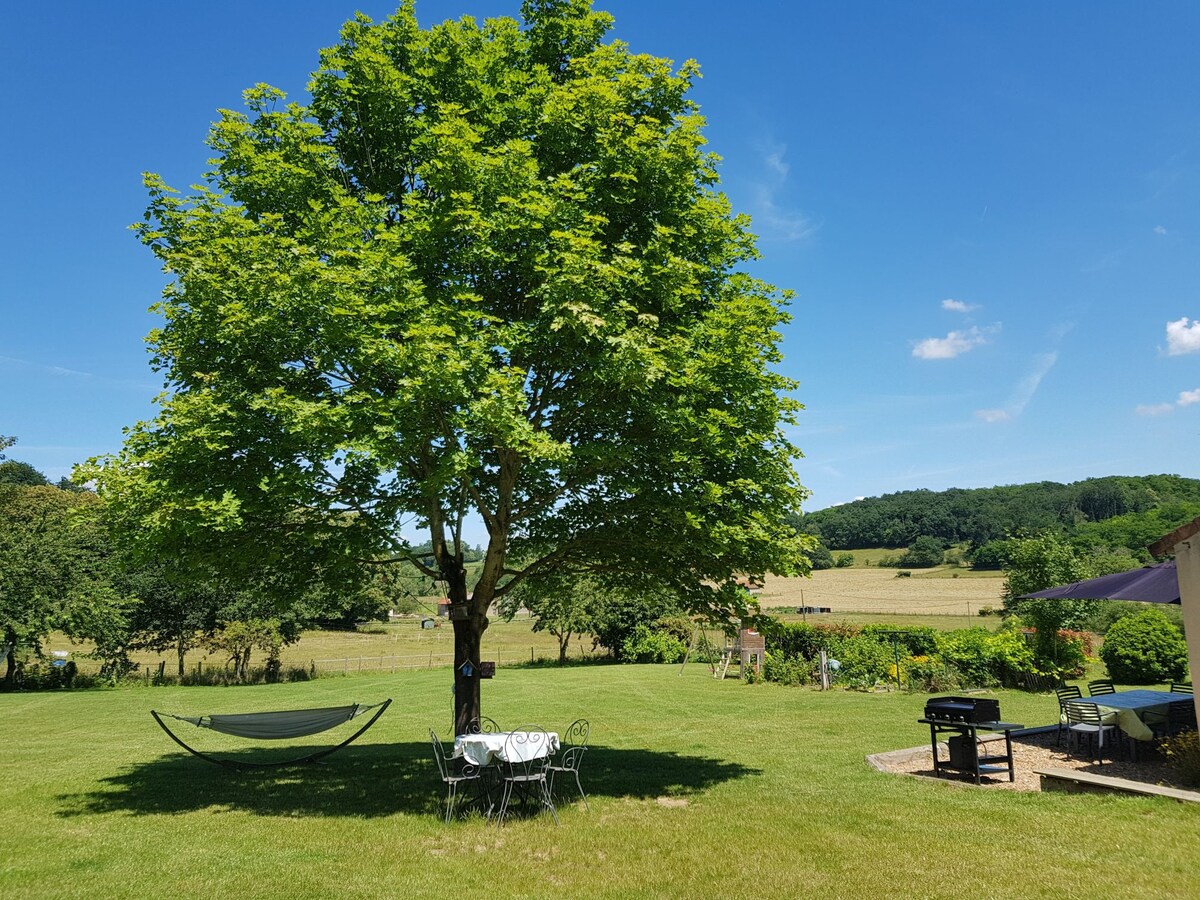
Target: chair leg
[{"x": 579, "y": 785}]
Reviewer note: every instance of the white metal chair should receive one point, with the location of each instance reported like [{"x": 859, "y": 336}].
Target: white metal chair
[
  {"x": 455, "y": 773},
  {"x": 524, "y": 763},
  {"x": 574, "y": 744}
]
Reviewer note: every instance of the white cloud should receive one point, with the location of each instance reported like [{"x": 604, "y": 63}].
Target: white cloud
[
  {"x": 1154, "y": 409},
  {"x": 1185, "y": 398},
  {"x": 1158, "y": 229},
  {"x": 1183, "y": 337},
  {"x": 954, "y": 344},
  {"x": 958, "y": 306}
]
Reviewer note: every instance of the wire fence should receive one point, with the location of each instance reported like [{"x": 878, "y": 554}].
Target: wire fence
[{"x": 402, "y": 662}]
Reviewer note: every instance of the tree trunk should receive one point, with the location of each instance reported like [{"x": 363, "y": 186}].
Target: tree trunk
[
  {"x": 180, "y": 649},
  {"x": 469, "y": 619},
  {"x": 10, "y": 657}
]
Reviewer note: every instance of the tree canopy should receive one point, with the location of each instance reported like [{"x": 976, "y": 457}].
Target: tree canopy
[{"x": 487, "y": 273}]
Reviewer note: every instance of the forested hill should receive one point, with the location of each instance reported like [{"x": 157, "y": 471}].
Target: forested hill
[{"x": 980, "y": 515}]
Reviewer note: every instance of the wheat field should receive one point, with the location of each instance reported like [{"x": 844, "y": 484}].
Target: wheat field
[{"x": 881, "y": 591}]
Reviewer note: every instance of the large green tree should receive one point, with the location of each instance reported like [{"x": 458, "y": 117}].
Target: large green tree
[
  {"x": 53, "y": 570},
  {"x": 485, "y": 274}
]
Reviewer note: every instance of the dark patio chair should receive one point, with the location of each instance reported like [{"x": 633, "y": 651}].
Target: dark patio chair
[
  {"x": 1101, "y": 686},
  {"x": 1064, "y": 693},
  {"x": 1179, "y": 687},
  {"x": 1084, "y": 720}
]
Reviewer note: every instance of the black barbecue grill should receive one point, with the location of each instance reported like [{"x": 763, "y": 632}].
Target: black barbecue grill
[
  {"x": 963, "y": 718},
  {"x": 975, "y": 710}
]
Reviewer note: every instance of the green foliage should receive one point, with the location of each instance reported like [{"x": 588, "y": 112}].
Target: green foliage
[
  {"x": 648, "y": 644},
  {"x": 924, "y": 553},
  {"x": 13, "y": 472},
  {"x": 843, "y": 560},
  {"x": 985, "y": 658},
  {"x": 979, "y": 516},
  {"x": 1183, "y": 751},
  {"x": 1145, "y": 648},
  {"x": 790, "y": 670},
  {"x": 1104, "y": 613},
  {"x": 52, "y": 566},
  {"x": 863, "y": 661},
  {"x": 485, "y": 272},
  {"x": 617, "y": 613},
  {"x": 991, "y": 555},
  {"x": 819, "y": 557},
  {"x": 916, "y": 640}
]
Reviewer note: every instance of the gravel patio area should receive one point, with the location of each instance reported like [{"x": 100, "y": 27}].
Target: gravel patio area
[{"x": 1038, "y": 751}]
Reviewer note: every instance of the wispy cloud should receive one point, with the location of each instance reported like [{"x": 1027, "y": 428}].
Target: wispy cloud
[
  {"x": 1183, "y": 336},
  {"x": 958, "y": 306},
  {"x": 1154, "y": 409},
  {"x": 956, "y": 343},
  {"x": 772, "y": 216},
  {"x": 1159, "y": 229},
  {"x": 1185, "y": 398},
  {"x": 1023, "y": 393},
  {"x": 64, "y": 372}
]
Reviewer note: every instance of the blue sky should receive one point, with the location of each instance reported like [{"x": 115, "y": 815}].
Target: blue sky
[{"x": 989, "y": 211}]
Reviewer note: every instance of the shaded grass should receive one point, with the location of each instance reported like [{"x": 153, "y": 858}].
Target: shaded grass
[{"x": 696, "y": 787}]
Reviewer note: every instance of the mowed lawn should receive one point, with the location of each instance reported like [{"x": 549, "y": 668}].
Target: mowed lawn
[{"x": 698, "y": 788}]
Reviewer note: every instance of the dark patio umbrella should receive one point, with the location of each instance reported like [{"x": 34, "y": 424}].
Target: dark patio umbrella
[{"x": 1149, "y": 584}]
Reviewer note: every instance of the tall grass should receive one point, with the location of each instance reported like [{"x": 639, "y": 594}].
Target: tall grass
[{"x": 697, "y": 787}]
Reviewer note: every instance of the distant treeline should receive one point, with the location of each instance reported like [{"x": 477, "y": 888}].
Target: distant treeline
[{"x": 1116, "y": 511}]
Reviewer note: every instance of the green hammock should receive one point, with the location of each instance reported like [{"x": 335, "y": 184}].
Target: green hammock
[{"x": 275, "y": 726}]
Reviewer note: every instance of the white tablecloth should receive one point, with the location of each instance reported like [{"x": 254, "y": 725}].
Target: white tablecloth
[{"x": 483, "y": 749}]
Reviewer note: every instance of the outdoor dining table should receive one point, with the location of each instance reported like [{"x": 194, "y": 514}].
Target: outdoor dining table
[
  {"x": 1130, "y": 706},
  {"x": 485, "y": 749}
]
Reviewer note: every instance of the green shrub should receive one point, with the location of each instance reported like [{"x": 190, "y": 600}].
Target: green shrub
[
  {"x": 862, "y": 661},
  {"x": 843, "y": 560},
  {"x": 916, "y": 640},
  {"x": 931, "y": 674},
  {"x": 791, "y": 670},
  {"x": 649, "y": 645},
  {"x": 1144, "y": 648},
  {"x": 1183, "y": 753},
  {"x": 988, "y": 658}
]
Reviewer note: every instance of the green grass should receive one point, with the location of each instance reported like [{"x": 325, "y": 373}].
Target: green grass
[{"x": 698, "y": 787}]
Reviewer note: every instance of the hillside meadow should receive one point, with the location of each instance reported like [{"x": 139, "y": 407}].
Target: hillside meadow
[
  {"x": 697, "y": 787},
  {"x": 875, "y": 590}
]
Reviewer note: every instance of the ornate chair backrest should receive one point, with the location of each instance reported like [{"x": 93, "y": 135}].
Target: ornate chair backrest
[
  {"x": 438, "y": 754},
  {"x": 570, "y": 759},
  {"x": 577, "y": 734},
  {"x": 527, "y": 751},
  {"x": 483, "y": 725}
]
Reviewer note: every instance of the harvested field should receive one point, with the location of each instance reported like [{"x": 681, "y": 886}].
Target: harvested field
[{"x": 880, "y": 591}]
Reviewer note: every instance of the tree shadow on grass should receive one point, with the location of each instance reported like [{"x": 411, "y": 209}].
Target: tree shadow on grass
[{"x": 366, "y": 781}]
